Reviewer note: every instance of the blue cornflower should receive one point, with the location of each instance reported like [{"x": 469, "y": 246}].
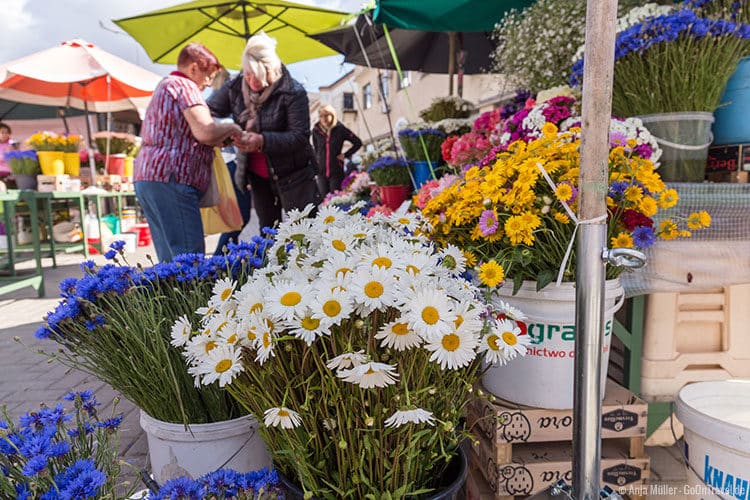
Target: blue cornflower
[
  {"x": 221, "y": 482},
  {"x": 74, "y": 433},
  {"x": 182, "y": 488},
  {"x": 269, "y": 231},
  {"x": 643, "y": 236},
  {"x": 87, "y": 265},
  {"x": 34, "y": 466},
  {"x": 617, "y": 189},
  {"x": 85, "y": 484},
  {"x": 84, "y": 395},
  {"x": 68, "y": 286},
  {"x": 117, "y": 245},
  {"x": 22, "y": 492},
  {"x": 93, "y": 324},
  {"x": 54, "y": 416},
  {"x": 110, "y": 254},
  {"x": 9, "y": 444},
  {"x": 43, "y": 333},
  {"x": 111, "y": 423}
]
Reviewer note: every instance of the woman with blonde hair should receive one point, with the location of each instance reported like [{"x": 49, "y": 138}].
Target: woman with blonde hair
[
  {"x": 275, "y": 158},
  {"x": 328, "y": 137}
]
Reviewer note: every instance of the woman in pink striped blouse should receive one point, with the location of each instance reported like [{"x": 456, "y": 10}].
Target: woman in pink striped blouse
[{"x": 174, "y": 165}]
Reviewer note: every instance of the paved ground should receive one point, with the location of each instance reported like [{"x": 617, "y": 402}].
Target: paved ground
[{"x": 28, "y": 378}]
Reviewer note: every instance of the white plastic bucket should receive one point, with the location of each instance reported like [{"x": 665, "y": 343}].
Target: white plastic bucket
[
  {"x": 544, "y": 377},
  {"x": 716, "y": 416},
  {"x": 174, "y": 451}
]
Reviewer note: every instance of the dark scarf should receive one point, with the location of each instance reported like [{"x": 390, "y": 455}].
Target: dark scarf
[{"x": 253, "y": 102}]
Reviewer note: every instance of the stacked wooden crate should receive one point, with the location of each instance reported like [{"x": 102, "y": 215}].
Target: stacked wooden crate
[{"x": 520, "y": 450}]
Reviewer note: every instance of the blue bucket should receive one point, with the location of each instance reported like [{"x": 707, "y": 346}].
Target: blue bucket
[
  {"x": 421, "y": 172},
  {"x": 731, "y": 125}
]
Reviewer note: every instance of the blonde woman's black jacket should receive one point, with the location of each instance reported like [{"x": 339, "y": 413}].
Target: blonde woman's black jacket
[{"x": 284, "y": 122}]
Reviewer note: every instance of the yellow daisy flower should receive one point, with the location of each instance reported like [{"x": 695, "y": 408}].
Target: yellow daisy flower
[
  {"x": 648, "y": 206},
  {"x": 491, "y": 274},
  {"x": 622, "y": 240},
  {"x": 668, "y": 198},
  {"x": 561, "y": 218},
  {"x": 668, "y": 230}
]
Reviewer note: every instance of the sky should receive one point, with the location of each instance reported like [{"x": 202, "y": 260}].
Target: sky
[{"x": 28, "y": 26}]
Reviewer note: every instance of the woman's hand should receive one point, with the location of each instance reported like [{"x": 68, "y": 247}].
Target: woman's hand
[{"x": 249, "y": 142}]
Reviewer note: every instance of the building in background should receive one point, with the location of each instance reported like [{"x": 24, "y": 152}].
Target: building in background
[{"x": 363, "y": 96}]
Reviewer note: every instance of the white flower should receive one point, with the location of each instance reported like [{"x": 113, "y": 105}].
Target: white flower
[
  {"x": 409, "y": 221},
  {"x": 330, "y": 215},
  {"x": 264, "y": 346},
  {"x": 510, "y": 311},
  {"x": 230, "y": 332},
  {"x": 332, "y": 305},
  {"x": 510, "y": 338},
  {"x": 249, "y": 330},
  {"x": 373, "y": 288},
  {"x": 251, "y": 297},
  {"x": 222, "y": 290},
  {"x": 429, "y": 313},
  {"x": 307, "y": 327},
  {"x": 199, "y": 346},
  {"x": 453, "y": 259},
  {"x": 338, "y": 239},
  {"x": 338, "y": 268},
  {"x": 453, "y": 350},
  {"x": 296, "y": 215},
  {"x": 416, "y": 416},
  {"x": 281, "y": 416},
  {"x": 181, "y": 331},
  {"x": 347, "y": 360},
  {"x": 468, "y": 317},
  {"x": 222, "y": 364},
  {"x": 369, "y": 375},
  {"x": 415, "y": 262},
  {"x": 398, "y": 335},
  {"x": 382, "y": 256},
  {"x": 286, "y": 298},
  {"x": 493, "y": 346}
]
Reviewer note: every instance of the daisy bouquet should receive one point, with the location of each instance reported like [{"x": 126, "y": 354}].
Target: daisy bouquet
[
  {"x": 115, "y": 323},
  {"x": 515, "y": 216},
  {"x": 54, "y": 453},
  {"x": 357, "y": 345}
]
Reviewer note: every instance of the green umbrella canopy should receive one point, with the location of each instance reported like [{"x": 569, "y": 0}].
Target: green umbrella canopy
[
  {"x": 225, "y": 26},
  {"x": 445, "y": 15}
]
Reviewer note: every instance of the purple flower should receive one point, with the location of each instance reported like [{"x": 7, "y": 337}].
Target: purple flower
[
  {"x": 643, "y": 237},
  {"x": 488, "y": 223},
  {"x": 618, "y": 139}
]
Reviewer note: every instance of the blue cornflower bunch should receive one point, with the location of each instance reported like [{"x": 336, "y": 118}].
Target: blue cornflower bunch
[
  {"x": 52, "y": 454},
  {"x": 422, "y": 144},
  {"x": 114, "y": 322},
  {"x": 23, "y": 162},
  {"x": 690, "y": 42},
  {"x": 222, "y": 484},
  {"x": 390, "y": 171}
]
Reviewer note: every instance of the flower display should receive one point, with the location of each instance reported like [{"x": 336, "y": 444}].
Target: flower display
[
  {"x": 703, "y": 50},
  {"x": 526, "y": 124},
  {"x": 390, "y": 171},
  {"x": 71, "y": 143},
  {"x": 52, "y": 453},
  {"x": 519, "y": 210},
  {"x": 355, "y": 188},
  {"x": 422, "y": 143},
  {"x": 357, "y": 344},
  {"x": 108, "y": 142},
  {"x": 432, "y": 188},
  {"x": 442, "y": 108},
  {"x": 22, "y": 162},
  {"x": 99, "y": 333},
  {"x": 223, "y": 484},
  {"x": 47, "y": 141}
]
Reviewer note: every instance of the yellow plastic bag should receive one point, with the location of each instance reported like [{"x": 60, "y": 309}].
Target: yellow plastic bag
[{"x": 225, "y": 216}]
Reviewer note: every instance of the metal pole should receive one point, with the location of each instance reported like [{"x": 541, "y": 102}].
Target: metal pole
[{"x": 601, "y": 17}]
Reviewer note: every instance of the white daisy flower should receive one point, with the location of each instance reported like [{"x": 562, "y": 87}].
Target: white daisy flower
[
  {"x": 338, "y": 266},
  {"x": 373, "y": 288},
  {"x": 222, "y": 290},
  {"x": 509, "y": 311},
  {"x": 430, "y": 314},
  {"x": 219, "y": 322},
  {"x": 347, "y": 360},
  {"x": 222, "y": 364},
  {"x": 414, "y": 262},
  {"x": 181, "y": 331},
  {"x": 251, "y": 296},
  {"x": 338, "y": 239},
  {"x": 297, "y": 233},
  {"x": 264, "y": 346},
  {"x": 330, "y": 214},
  {"x": 230, "y": 332},
  {"x": 296, "y": 215},
  {"x": 453, "y": 350},
  {"x": 307, "y": 327},
  {"x": 199, "y": 346},
  {"x": 409, "y": 221},
  {"x": 510, "y": 338},
  {"x": 453, "y": 259},
  {"x": 249, "y": 330},
  {"x": 382, "y": 256},
  {"x": 369, "y": 375},
  {"x": 398, "y": 335},
  {"x": 286, "y": 298},
  {"x": 416, "y": 416},
  {"x": 468, "y": 317},
  {"x": 281, "y": 416},
  {"x": 493, "y": 347},
  {"x": 332, "y": 305}
]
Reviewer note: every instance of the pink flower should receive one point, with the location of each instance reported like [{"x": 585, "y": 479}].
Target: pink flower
[
  {"x": 488, "y": 223},
  {"x": 379, "y": 209}
]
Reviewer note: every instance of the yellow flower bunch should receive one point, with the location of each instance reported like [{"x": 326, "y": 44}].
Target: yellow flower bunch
[
  {"x": 515, "y": 217},
  {"x": 47, "y": 141}
]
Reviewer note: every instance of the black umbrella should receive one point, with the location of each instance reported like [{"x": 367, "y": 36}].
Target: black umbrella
[{"x": 425, "y": 51}]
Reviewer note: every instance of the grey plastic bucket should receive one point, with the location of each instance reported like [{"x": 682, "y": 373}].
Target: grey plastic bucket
[{"x": 684, "y": 139}]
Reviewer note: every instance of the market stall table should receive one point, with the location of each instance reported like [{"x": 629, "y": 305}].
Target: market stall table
[{"x": 16, "y": 279}]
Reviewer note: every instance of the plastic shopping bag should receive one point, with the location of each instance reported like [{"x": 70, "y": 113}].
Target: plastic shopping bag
[{"x": 225, "y": 216}]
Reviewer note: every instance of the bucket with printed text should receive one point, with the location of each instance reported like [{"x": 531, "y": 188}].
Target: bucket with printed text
[
  {"x": 544, "y": 377},
  {"x": 716, "y": 417}
]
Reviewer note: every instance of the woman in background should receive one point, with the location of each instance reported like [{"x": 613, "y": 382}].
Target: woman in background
[
  {"x": 174, "y": 164},
  {"x": 328, "y": 139}
]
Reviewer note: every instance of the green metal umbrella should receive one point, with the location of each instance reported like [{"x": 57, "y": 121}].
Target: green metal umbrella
[
  {"x": 225, "y": 26},
  {"x": 444, "y": 15}
]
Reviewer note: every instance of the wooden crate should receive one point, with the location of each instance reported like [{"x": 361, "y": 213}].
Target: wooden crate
[
  {"x": 501, "y": 422},
  {"x": 50, "y": 183},
  {"x": 108, "y": 182},
  {"x": 532, "y": 467}
]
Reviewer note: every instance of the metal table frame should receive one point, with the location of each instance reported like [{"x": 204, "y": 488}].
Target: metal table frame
[{"x": 16, "y": 280}]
